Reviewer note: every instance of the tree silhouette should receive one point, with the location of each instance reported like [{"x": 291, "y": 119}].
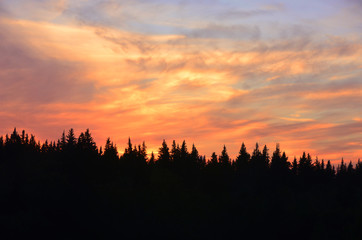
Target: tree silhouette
[
  {"x": 213, "y": 160},
  {"x": 224, "y": 158},
  {"x": 279, "y": 162},
  {"x": 110, "y": 151},
  {"x": 86, "y": 145},
  {"x": 70, "y": 140},
  {"x": 164, "y": 155},
  {"x": 243, "y": 159},
  {"x": 329, "y": 170},
  {"x": 305, "y": 167},
  {"x": 69, "y": 183},
  {"x": 195, "y": 157},
  {"x": 259, "y": 161},
  {"x": 151, "y": 162}
]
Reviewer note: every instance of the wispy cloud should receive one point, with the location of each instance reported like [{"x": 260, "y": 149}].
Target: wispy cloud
[{"x": 155, "y": 69}]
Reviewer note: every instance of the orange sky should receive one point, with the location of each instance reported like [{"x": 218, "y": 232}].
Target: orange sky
[{"x": 208, "y": 81}]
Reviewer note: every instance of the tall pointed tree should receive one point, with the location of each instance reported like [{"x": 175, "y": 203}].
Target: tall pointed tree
[
  {"x": 195, "y": 157},
  {"x": 164, "y": 155},
  {"x": 224, "y": 158},
  {"x": 279, "y": 163},
  {"x": 213, "y": 160},
  {"x": 243, "y": 159},
  {"x": 175, "y": 153},
  {"x": 110, "y": 151},
  {"x": 151, "y": 162}
]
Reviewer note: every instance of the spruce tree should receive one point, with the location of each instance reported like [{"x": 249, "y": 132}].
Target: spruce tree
[
  {"x": 224, "y": 159},
  {"x": 110, "y": 151},
  {"x": 164, "y": 155},
  {"x": 213, "y": 160},
  {"x": 243, "y": 159}
]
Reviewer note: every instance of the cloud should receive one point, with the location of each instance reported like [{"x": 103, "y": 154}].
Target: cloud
[
  {"x": 242, "y": 13},
  {"x": 216, "y": 31},
  {"x": 193, "y": 79},
  {"x": 32, "y": 79},
  {"x": 3, "y": 11}
]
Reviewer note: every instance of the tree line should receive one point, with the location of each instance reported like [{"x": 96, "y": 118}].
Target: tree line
[
  {"x": 71, "y": 189},
  {"x": 175, "y": 157}
]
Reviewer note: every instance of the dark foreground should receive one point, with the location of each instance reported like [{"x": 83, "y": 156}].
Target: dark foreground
[{"x": 71, "y": 190}]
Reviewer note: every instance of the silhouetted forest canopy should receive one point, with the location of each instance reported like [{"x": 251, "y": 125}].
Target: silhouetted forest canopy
[{"x": 72, "y": 188}]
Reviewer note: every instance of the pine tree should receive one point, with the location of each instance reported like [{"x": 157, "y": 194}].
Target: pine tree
[
  {"x": 243, "y": 159},
  {"x": 143, "y": 152},
  {"x": 265, "y": 156},
  {"x": 45, "y": 147},
  {"x": 183, "y": 152},
  {"x": 350, "y": 169},
  {"x": 358, "y": 168},
  {"x": 23, "y": 137},
  {"x": 276, "y": 161},
  {"x": 342, "y": 169},
  {"x": 164, "y": 155},
  {"x": 322, "y": 165},
  {"x": 224, "y": 159},
  {"x": 329, "y": 170},
  {"x": 15, "y": 138},
  {"x": 110, "y": 151},
  {"x": 195, "y": 157},
  {"x": 151, "y": 162},
  {"x": 139, "y": 156},
  {"x": 305, "y": 166},
  {"x": 71, "y": 140},
  {"x": 1, "y": 142},
  {"x": 295, "y": 166},
  {"x": 258, "y": 160},
  {"x": 317, "y": 165},
  {"x": 213, "y": 160},
  {"x": 175, "y": 153},
  {"x": 129, "y": 149}
]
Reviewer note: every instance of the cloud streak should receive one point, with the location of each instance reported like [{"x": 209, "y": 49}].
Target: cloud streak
[{"x": 124, "y": 71}]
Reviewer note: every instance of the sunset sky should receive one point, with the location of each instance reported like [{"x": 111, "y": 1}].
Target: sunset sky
[{"x": 211, "y": 72}]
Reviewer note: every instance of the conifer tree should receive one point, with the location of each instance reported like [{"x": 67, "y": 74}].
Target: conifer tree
[
  {"x": 243, "y": 159},
  {"x": 305, "y": 166},
  {"x": 45, "y": 147},
  {"x": 143, "y": 152},
  {"x": 183, "y": 152},
  {"x": 151, "y": 162},
  {"x": 110, "y": 151},
  {"x": 350, "y": 169},
  {"x": 322, "y": 165},
  {"x": 23, "y": 137},
  {"x": 342, "y": 168},
  {"x": 164, "y": 155},
  {"x": 129, "y": 148},
  {"x": 213, "y": 160},
  {"x": 70, "y": 139},
  {"x": 175, "y": 153},
  {"x": 358, "y": 168},
  {"x": 257, "y": 161},
  {"x": 265, "y": 156},
  {"x": 329, "y": 169},
  {"x": 195, "y": 159},
  {"x": 276, "y": 161},
  {"x": 1, "y": 142},
  {"x": 224, "y": 159},
  {"x": 295, "y": 166},
  {"x": 86, "y": 146}
]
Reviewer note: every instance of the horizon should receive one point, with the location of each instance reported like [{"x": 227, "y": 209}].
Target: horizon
[
  {"x": 211, "y": 73},
  {"x": 249, "y": 149}
]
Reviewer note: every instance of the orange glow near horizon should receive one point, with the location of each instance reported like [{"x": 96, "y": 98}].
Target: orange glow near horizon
[{"x": 206, "y": 90}]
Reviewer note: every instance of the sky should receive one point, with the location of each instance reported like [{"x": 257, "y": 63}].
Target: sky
[{"x": 209, "y": 72}]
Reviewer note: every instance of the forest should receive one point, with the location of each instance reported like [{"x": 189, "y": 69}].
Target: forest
[{"x": 71, "y": 189}]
